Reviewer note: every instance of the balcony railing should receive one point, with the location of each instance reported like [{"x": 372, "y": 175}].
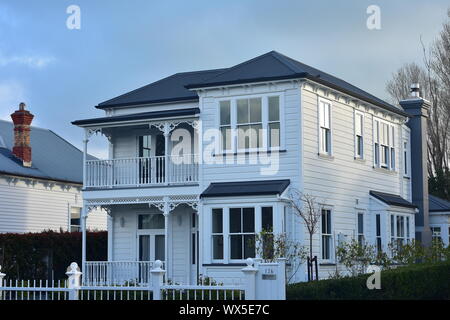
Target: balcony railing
[
  {"x": 142, "y": 171},
  {"x": 110, "y": 273}
]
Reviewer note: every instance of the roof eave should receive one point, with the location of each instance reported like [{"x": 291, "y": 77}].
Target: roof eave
[{"x": 147, "y": 102}]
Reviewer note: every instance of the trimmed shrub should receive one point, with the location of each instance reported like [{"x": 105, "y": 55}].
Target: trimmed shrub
[
  {"x": 47, "y": 255},
  {"x": 421, "y": 281}
]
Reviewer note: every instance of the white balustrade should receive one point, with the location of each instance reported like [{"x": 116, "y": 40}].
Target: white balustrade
[{"x": 141, "y": 171}]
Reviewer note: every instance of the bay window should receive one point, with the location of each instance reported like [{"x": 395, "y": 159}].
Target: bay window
[
  {"x": 256, "y": 122},
  {"x": 234, "y": 229},
  {"x": 324, "y": 127},
  {"x": 400, "y": 229}
]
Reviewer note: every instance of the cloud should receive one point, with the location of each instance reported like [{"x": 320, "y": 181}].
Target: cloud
[
  {"x": 35, "y": 62},
  {"x": 11, "y": 94}
]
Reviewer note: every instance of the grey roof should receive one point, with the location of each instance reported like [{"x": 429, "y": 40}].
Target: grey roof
[
  {"x": 392, "y": 199},
  {"x": 53, "y": 158},
  {"x": 140, "y": 116},
  {"x": 170, "y": 89},
  {"x": 245, "y": 188},
  {"x": 437, "y": 204},
  {"x": 269, "y": 66},
  {"x": 275, "y": 66}
]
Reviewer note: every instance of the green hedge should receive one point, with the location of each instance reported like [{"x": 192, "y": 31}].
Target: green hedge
[
  {"x": 47, "y": 255},
  {"x": 421, "y": 281}
]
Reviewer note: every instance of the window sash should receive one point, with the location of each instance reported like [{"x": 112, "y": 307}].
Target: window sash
[
  {"x": 254, "y": 122},
  {"x": 326, "y": 234}
]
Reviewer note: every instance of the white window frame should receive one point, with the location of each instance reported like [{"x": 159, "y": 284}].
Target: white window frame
[
  {"x": 70, "y": 218},
  {"x": 242, "y": 233},
  {"x": 394, "y": 235},
  {"x": 380, "y": 235},
  {"x": 265, "y": 122},
  {"x": 363, "y": 234},
  {"x": 321, "y": 101},
  {"x": 218, "y": 234},
  {"x": 356, "y": 114},
  {"x": 406, "y": 159},
  {"x": 388, "y": 144},
  {"x": 330, "y": 235}
]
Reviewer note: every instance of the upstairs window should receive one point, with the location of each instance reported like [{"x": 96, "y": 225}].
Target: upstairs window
[
  {"x": 359, "y": 136},
  {"x": 249, "y": 123},
  {"x": 274, "y": 122},
  {"x": 405, "y": 159},
  {"x": 384, "y": 144},
  {"x": 256, "y": 122},
  {"x": 225, "y": 125},
  {"x": 324, "y": 127}
]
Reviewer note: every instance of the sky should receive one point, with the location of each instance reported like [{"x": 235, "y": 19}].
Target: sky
[{"x": 62, "y": 74}]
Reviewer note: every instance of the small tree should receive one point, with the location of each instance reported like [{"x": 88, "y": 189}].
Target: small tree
[{"x": 309, "y": 210}]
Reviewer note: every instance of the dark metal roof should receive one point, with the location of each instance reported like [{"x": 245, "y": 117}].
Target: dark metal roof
[
  {"x": 170, "y": 89},
  {"x": 53, "y": 158},
  {"x": 245, "y": 188},
  {"x": 275, "y": 66},
  {"x": 392, "y": 199},
  {"x": 437, "y": 204},
  {"x": 140, "y": 116}
]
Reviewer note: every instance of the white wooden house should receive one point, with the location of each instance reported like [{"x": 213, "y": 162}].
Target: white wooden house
[
  {"x": 201, "y": 161},
  {"x": 40, "y": 180}
]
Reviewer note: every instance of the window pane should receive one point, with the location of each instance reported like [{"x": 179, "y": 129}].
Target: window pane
[
  {"x": 267, "y": 219},
  {"x": 217, "y": 247},
  {"x": 217, "y": 221},
  {"x": 274, "y": 108},
  {"x": 159, "y": 247},
  {"x": 75, "y": 213},
  {"x": 358, "y": 124},
  {"x": 249, "y": 220},
  {"x": 326, "y": 244},
  {"x": 256, "y": 136},
  {"x": 255, "y": 110},
  {"x": 242, "y": 111},
  {"x": 243, "y": 137},
  {"x": 235, "y": 220},
  {"x": 151, "y": 221},
  {"x": 226, "y": 138},
  {"x": 225, "y": 114},
  {"x": 144, "y": 248},
  {"x": 249, "y": 246},
  {"x": 274, "y": 134},
  {"x": 236, "y": 247},
  {"x": 378, "y": 225}
]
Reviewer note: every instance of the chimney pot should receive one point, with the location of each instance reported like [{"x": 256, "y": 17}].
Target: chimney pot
[{"x": 415, "y": 90}]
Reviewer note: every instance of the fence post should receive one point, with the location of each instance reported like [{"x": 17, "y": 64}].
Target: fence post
[
  {"x": 74, "y": 274},
  {"x": 250, "y": 280},
  {"x": 157, "y": 279},
  {"x": 2, "y": 275}
]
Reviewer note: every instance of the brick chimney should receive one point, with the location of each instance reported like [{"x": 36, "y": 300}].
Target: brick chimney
[
  {"x": 22, "y": 148},
  {"x": 418, "y": 110}
]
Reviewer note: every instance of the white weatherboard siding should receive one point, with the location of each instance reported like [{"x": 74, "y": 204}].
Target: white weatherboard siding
[
  {"x": 341, "y": 182},
  {"x": 34, "y": 206},
  {"x": 289, "y": 159}
]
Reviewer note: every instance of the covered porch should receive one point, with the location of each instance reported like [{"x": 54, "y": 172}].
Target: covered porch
[{"x": 141, "y": 231}]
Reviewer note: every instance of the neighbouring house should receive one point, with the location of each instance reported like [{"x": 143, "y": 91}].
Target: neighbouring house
[
  {"x": 41, "y": 177},
  {"x": 199, "y": 162},
  {"x": 440, "y": 219}
]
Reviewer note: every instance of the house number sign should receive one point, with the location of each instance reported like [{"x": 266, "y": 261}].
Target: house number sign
[{"x": 269, "y": 274}]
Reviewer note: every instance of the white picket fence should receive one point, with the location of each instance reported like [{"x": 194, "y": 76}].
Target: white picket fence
[{"x": 71, "y": 289}]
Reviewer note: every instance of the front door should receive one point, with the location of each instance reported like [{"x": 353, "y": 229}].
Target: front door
[{"x": 194, "y": 248}]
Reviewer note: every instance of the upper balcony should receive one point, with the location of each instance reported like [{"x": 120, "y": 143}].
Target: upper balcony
[
  {"x": 141, "y": 171},
  {"x": 148, "y": 149}
]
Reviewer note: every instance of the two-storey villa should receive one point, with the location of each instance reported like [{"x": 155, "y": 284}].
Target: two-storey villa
[{"x": 199, "y": 162}]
